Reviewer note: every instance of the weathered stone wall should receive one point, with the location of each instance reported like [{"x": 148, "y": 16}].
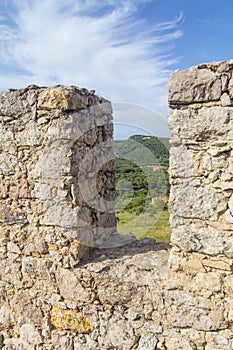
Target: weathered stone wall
[
  {"x": 142, "y": 296},
  {"x": 201, "y": 166},
  {"x": 52, "y": 141},
  {"x": 56, "y": 195},
  {"x": 201, "y": 173}
]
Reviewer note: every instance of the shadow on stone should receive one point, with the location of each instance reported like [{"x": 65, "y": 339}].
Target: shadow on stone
[{"x": 135, "y": 247}]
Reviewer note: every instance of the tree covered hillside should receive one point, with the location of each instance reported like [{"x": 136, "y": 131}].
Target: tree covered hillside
[
  {"x": 153, "y": 150},
  {"x": 143, "y": 186},
  {"x": 141, "y": 171}
]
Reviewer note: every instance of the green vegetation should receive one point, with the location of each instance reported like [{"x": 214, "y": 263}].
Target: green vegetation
[
  {"x": 145, "y": 150},
  {"x": 138, "y": 183},
  {"x": 160, "y": 229}
]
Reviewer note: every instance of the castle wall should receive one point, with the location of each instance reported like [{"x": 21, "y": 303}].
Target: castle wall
[{"x": 56, "y": 292}]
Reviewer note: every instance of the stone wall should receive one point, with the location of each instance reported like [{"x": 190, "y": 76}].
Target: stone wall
[
  {"x": 201, "y": 166},
  {"x": 142, "y": 295},
  {"x": 56, "y": 193},
  {"x": 201, "y": 175}
]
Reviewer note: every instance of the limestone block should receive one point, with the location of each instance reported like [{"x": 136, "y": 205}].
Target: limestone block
[
  {"x": 191, "y": 266},
  {"x": 213, "y": 346},
  {"x": 210, "y": 281},
  {"x": 147, "y": 342},
  {"x": 218, "y": 340},
  {"x": 72, "y": 128},
  {"x": 53, "y": 163},
  {"x": 222, "y": 66},
  {"x": 224, "y": 79},
  {"x": 103, "y": 111},
  {"x": 182, "y": 162},
  {"x": 6, "y": 134},
  {"x": 203, "y": 125},
  {"x": 230, "y": 309},
  {"x": 204, "y": 163},
  {"x": 188, "y": 201},
  {"x": 62, "y": 342},
  {"x": 13, "y": 248},
  {"x": 78, "y": 346},
  {"x": 14, "y": 104},
  {"x": 61, "y": 98},
  {"x": 69, "y": 320},
  {"x": 52, "y": 191},
  {"x": 66, "y": 98},
  {"x": 225, "y": 100},
  {"x": 58, "y": 214},
  {"x": 193, "y": 85},
  {"x": 112, "y": 291},
  {"x": 175, "y": 341},
  {"x": 207, "y": 240},
  {"x": 29, "y": 265},
  {"x": 8, "y": 164},
  {"x": 29, "y": 136},
  {"x": 185, "y": 310},
  {"x": 218, "y": 263},
  {"x": 226, "y": 176},
  {"x": 6, "y": 316},
  {"x": 30, "y": 334},
  {"x": 221, "y": 162},
  {"x": 223, "y": 185},
  {"x": 120, "y": 333},
  {"x": 75, "y": 291},
  {"x": 197, "y": 337}
]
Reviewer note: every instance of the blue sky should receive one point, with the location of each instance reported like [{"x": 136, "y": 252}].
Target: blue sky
[
  {"x": 207, "y": 29},
  {"x": 123, "y": 49}
]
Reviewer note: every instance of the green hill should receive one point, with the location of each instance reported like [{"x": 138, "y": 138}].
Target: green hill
[
  {"x": 144, "y": 150},
  {"x": 138, "y": 183}
]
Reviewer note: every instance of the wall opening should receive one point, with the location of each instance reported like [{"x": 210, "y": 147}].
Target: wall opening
[{"x": 142, "y": 186}]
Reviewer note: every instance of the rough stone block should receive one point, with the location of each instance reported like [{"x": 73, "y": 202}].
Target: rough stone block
[
  {"x": 69, "y": 320},
  {"x": 194, "y": 85},
  {"x": 202, "y": 125}
]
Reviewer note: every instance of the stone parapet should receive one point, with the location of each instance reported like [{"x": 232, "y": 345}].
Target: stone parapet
[
  {"x": 201, "y": 159},
  {"x": 51, "y": 183},
  {"x": 208, "y": 84},
  {"x": 56, "y": 198},
  {"x": 201, "y": 177}
]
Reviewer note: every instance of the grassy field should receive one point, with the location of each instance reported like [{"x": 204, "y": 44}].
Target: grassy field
[
  {"x": 154, "y": 224},
  {"x": 138, "y": 184}
]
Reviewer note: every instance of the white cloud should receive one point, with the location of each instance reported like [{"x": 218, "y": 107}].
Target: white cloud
[
  {"x": 134, "y": 119},
  {"x": 101, "y": 45}
]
